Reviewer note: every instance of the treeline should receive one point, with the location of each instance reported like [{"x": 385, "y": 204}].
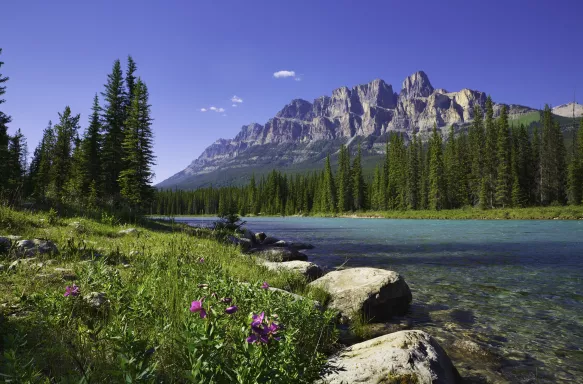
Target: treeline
[
  {"x": 493, "y": 165},
  {"x": 108, "y": 166}
]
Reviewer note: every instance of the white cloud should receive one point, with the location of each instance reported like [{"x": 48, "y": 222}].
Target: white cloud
[
  {"x": 203, "y": 109},
  {"x": 220, "y": 109},
  {"x": 298, "y": 78},
  {"x": 213, "y": 108},
  {"x": 236, "y": 99},
  {"x": 234, "y": 105},
  {"x": 279, "y": 74}
]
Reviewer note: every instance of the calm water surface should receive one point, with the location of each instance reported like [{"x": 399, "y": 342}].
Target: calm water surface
[{"x": 513, "y": 287}]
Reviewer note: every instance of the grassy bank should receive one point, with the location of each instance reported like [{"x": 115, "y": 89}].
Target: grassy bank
[
  {"x": 144, "y": 329},
  {"x": 534, "y": 213}
]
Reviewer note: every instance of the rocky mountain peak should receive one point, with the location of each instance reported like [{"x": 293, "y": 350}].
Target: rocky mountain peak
[
  {"x": 298, "y": 109},
  {"x": 416, "y": 85}
]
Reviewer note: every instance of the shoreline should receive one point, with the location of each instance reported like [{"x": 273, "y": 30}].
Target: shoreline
[{"x": 533, "y": 213}]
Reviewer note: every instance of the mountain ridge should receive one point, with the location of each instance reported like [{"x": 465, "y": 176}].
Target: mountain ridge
[{"x": 302, "y": 130}]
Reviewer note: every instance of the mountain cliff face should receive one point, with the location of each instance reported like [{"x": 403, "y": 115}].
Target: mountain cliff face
[{"x": 304, "y": 131}]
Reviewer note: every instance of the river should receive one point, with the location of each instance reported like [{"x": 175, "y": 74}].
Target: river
[{"x": 513, "y": 287}]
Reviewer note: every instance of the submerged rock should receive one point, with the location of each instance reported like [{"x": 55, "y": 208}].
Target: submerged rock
[
  {"x": 377, "y": 294},
  {"x": 406, "y": 355},
  {"x": 310, "y": 270}
]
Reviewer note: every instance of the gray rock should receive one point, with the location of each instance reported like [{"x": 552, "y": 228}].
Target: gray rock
[
  {"x": 310, "y": 270},
  {"x": 31, "y": 248},
  {"x": 396, "y": 357},
  {"x": 5, "y": 244},
  {"x": 270, "y": 241},
  {"x": 21, "y": 263},
  {"x": 96, "y": 300},
  {"x": 128, "y": 231},
  {"x": 244, "y": 243},
  {"x": 279, "y": 254},
  {"x": 377, "y": 294},
  {"x": 260, "y": 236}
]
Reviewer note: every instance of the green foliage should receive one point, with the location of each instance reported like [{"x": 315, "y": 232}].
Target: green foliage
[
  {"x": 437, "y": 192},
  {"x": 143, "y": 330}
]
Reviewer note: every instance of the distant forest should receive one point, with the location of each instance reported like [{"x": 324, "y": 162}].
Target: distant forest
[
  {"x": 108, "y": 167},
  {"x": 493, "y": 165}
]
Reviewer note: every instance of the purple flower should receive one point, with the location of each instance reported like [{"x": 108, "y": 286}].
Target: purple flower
[
  {"x": 201, "y": 260},
  {"x": 231, "y": 310},
  {"x": 265, "y": 285},
  {"x": 226, "y": 300},
  {"x": 72, "y": 290},
  {"x": 261, "y": 332},
  {"x": 196, "y": 306}
]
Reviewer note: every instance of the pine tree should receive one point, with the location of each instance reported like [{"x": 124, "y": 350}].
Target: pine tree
[
  {"x": 477, "y": 150},
  {"x": 328, "y": 190},
  {"x": 136, "y": 176},
  {"x": 552, "y": 161},
  {"x": 576, "y": 170},
  {"x": 503, "y": 172},
  {"x": 358, "y": 186},
  {"x": 17, "y": 155},
  {"x": 490, "y": 156},
  {"x": 66, "y": 132},
  {"x": 90, "y": 154},
  {"x": 413, "y": 174},
  {"x": 437, "y": 193},
  {"x": 4, "y": 138},
  {"x": 113, "y": 130},
  {"x": 343, "y": 180},
  {"x": 42, "y": 178}
]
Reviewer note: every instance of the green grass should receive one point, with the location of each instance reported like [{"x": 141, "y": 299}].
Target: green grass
[
  {"x": 533, "y": 213},
  {"x": 146, "y": 333}
]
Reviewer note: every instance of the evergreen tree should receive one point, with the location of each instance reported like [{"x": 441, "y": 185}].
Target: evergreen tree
[
  {"x": 136, "y": 177},
  {"x": 328, "y": 196},
  {"x": 576, "y": 170},
  {"x": 17, "y": 154},
  {"x": 41, "y": 179},
  {"x": 66, "y": 132},
  {"x": 490, "y": 156},
  {"x": 503, "y": 172},
  {"x": 358, "y": 186},
  {"x": 552, "y": 161},
  {"x": 113, "y": 130},
  {"x": 4, "y": 138},
  {"x": 413, "y": 173},
  {"x": 477, "y": 150},
  {"x": 90, "y": 154},
  {"x": 343, "y": 180},
  {"x": 437, "y": 193}
]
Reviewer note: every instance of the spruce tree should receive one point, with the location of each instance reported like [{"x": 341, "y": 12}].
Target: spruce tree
[
  {"x": 358, "y": 186},
  {"x": 576, "y": 170},
  {"x": 490, "y": 156},
  {"x": 552, "y": 161},
  {"x": 477, "y": 150},
  {"x": 328, "y": 189},
  {"x": 343, "y": 180},
  {"x": 66, "y": 132},
  {"x": 17, "y": 156},
  {"x": 413, "y": 174},
  {"x": 113, "y": 130},
  {"x": 90, "y": 155},
  {"x": 136, "y": 176},
  {"x": 503, "y": 171},
  {"x": 437, "y": 193},
  {"x": 4, "y": 138},
  {"x": 42, "y": 178}
]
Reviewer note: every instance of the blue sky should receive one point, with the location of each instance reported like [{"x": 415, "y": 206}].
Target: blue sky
[{"x": 198, "y": 54}]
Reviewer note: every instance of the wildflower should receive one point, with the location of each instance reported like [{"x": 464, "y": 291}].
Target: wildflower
[
  {"x": 260, "y": 332},
  {"x": 232, "y": 309},
  {"x": 201, "y": 260},
  {"x": 196, "y": 306},
  {"x": 226, "y": 300},
  {"x": 265, "y": 285},
  {"x": 72, "y": 290}
]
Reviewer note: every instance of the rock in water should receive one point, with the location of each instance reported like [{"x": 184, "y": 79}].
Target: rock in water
[
  {"x": 310, "y": 270},
  {"x": 394, "y": 358},
  {"x": 280, "y": 254},
  {"x": 378, "y": 294}
]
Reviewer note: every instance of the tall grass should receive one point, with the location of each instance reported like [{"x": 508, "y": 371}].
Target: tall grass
[{"x": 144, "y": 330}]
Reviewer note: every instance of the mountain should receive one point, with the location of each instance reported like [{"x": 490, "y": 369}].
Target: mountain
[
  {"x": 569, "y": 110},
  {"x": 302, "y": 133}
]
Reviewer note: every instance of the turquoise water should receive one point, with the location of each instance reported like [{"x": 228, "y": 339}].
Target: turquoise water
[{"x": 514, "y": 288}]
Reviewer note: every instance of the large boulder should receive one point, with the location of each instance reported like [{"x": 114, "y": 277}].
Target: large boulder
[
  {"x": 31, "y": 248},
  {"x": 377, "y": 294},
  {"x": 279, "y": 254},
  {"x": 310, "y": 270},
  {"x": 296, "y": 246},
  {"x": 400, "y": 357}
]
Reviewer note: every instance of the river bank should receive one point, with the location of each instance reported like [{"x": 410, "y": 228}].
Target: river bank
[{"x": 570, "y": 212}]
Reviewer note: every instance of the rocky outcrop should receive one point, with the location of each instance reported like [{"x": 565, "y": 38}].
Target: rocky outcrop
[
  {"x": 30, "y": 248},
  {"x": 371, "y": 110},
  {"x": 310, "y": 270},
  {"x": 377, "y": 294},
  {"x": 400, "y": 357}
]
